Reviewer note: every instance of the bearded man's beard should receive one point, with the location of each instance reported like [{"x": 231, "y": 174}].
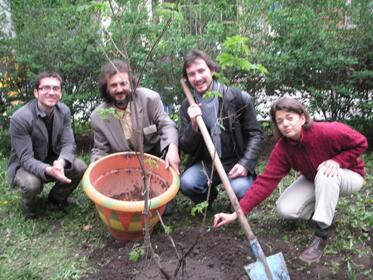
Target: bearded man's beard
[{"x": 121, "y": 103}]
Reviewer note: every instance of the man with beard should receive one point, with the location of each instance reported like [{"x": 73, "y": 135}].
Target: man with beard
[
  {"x": 230, "y": 117},
  {"x": 116, "y": 123}
]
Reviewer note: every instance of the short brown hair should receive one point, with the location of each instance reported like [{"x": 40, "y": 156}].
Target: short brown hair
[
  {"x": 191, "y": 57},
  {"x": 109, "y": 69},
  {"x": 44, "y": 75},
  {"x": 289, "y": 105}
]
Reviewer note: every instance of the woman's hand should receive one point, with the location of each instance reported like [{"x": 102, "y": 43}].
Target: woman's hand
[
  {"x": 224, "y": 219},
  {"x": 331, "y": 167}
]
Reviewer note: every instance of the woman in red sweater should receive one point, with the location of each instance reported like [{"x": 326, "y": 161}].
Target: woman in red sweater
[{"x": 326, "y": 154}]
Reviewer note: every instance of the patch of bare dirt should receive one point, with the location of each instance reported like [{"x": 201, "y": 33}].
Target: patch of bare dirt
[{"x": 219, "y": 254}]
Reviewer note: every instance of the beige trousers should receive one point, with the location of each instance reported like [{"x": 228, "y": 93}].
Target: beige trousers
[{"x": 304, "y": 198}]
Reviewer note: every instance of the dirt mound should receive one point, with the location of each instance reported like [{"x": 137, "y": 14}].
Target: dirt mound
[{"x": 218, "y": 255}]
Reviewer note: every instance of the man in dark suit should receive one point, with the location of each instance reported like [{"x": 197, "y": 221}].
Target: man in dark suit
[{"x": 43, "y": 147}]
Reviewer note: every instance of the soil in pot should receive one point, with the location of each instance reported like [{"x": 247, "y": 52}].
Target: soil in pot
[{"x": 127, "y": 184}]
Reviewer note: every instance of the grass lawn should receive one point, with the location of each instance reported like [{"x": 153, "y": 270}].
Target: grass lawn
[{"x": 56, "y": 245}]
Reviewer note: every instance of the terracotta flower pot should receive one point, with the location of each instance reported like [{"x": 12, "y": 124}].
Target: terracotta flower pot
[{"x": 115, "y": 184}]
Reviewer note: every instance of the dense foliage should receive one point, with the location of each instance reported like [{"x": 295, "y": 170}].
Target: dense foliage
[
  {"x": 316, "y": 48},
  {"x": 319, "y": 50}
]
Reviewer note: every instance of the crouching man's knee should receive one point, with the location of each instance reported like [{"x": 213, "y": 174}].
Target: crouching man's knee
[
  {"x": 77, "y": 169},
  {"x": 29, "y": 184},
  {"x": 79, "y": 166}
]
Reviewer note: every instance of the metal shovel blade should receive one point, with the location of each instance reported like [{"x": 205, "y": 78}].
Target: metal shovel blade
[{"x": 276, "y": 264}]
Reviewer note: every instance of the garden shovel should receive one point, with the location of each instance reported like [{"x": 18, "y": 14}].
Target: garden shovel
[{"x": 272, "y": 267}]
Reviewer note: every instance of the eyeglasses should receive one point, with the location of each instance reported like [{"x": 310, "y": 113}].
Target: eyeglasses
[{"x": 49, "y": 88}]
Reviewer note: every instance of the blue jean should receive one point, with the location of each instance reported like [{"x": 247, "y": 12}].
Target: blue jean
[{"x": 193, "y": 183}]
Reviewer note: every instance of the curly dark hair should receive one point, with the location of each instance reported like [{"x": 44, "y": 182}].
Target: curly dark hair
[{"x": 107, "y": 71}]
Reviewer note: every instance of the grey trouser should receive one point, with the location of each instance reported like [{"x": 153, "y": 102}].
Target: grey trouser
[
  {"x": 31, "y": 185},
  {"x": 320, "y": 197}
]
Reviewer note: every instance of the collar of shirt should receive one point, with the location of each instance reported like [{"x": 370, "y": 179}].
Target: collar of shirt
[
  {"x": 126, "y": 123},
  {"x": 122, "y": 113},
  {"x": 43, "y": 114},
  {"x": 216, "y": 86}
]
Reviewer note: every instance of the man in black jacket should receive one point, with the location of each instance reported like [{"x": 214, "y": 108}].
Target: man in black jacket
[{"x": 230, "y": 117}]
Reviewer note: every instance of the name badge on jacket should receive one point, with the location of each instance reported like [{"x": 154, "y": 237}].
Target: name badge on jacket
[{"x": 150, "y": 129}]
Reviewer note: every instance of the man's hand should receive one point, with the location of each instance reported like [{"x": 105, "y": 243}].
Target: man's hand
[
  {"x": 331, "y": 167},
  {"x": 224, "y": 219},
  {"x": 57, "y": 171},
  {"x": 60, "y": 165},
  {"x": 194, "y": 111},
  {"x": 172, "y": 157},
  {"x": 237, "y": 171}
]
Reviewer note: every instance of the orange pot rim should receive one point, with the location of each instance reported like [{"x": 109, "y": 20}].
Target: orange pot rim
[{"x": 129, "y": 206}]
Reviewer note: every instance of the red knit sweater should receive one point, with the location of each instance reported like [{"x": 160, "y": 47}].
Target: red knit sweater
[{"x": 322, "y": 141}]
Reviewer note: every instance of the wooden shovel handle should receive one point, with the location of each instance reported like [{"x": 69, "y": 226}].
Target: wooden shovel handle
[{"x": 223, "y": 176}]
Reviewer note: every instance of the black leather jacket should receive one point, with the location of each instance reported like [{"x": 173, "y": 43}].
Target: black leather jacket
[{"x": 246, "y": 135}]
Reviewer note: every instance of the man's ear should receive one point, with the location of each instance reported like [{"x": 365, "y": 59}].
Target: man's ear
[{"x": 36, "y": 93}]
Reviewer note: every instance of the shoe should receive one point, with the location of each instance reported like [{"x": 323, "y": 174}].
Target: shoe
[
  {"x": 315, "y": 251},
  {"x": 64, "y": 205},
  {"x": 28, "y": 212}
]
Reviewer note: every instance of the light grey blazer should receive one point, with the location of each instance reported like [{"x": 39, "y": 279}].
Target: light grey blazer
[
  {"x": 29, "y": 139},
  {"x": 159, "y": 130}
]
